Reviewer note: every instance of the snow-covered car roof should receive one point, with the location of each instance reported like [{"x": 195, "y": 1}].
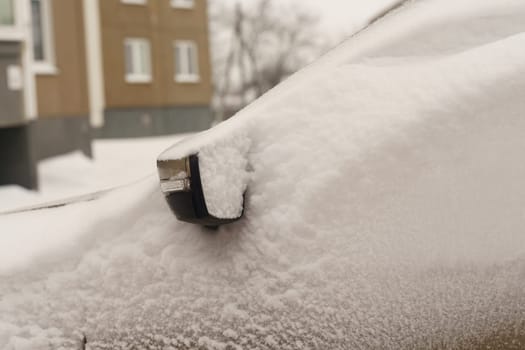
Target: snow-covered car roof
[{"x": 384, "y": 209}]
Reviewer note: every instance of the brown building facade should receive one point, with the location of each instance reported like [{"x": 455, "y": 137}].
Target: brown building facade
[
  {"x": 156, "y": 66},
  {"x": 98, "y": 68},
  {"x": 61, "y": 122}
]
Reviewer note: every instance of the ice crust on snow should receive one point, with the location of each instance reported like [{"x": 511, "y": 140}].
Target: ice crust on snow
[{"x": 385, "y": 209}]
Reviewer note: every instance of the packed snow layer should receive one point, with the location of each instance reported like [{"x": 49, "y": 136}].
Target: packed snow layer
[{"x": 385, "y": 208}]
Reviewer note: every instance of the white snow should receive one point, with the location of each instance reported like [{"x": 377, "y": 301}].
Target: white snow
[
  {"x": 385, "y": 208},
  {"x": 115, "y": 163},
  {"x": 224, "y": 175}
]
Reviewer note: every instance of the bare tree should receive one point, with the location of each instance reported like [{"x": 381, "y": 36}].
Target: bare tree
[{"x": 255, "y": 48}]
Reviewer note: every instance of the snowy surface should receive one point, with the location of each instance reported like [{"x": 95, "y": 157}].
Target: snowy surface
[
  {"x": 385, "y": 209},
  {"x": 115, "y": 163},
  {"x": 224, "y": 175}
]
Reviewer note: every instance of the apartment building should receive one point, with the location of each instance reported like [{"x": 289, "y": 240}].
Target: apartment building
[{"x": 72, "y": 70}]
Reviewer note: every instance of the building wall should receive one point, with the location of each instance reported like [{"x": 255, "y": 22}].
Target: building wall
[
  {"x": 17, "y": 157},
  {"x": 11, "y": 111},
  {"x": 161, "y": 24},
  {"x": 154, "y": 121},
  {"x": 62, "y": 97},
  {"x": 64, "y": 94}
]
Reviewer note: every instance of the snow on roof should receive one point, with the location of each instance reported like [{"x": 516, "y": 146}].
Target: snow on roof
[{"x": 384, "y": 209}]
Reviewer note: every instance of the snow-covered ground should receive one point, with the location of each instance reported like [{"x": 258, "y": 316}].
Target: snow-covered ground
[
  {"x": 385, "y": 209},
  {"x": 115, "y": 163}
]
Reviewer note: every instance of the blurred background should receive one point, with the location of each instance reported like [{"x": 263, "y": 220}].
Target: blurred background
[{"x": 92, "y": 90}]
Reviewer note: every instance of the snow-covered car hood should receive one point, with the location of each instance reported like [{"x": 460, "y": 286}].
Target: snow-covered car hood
[{"x": 384, "y": 209}]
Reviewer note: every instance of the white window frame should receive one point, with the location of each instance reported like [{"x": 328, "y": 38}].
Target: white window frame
[
  {"x": 182, "y": 4},
  {"x": 137, "y": 77},
  {"x": 134, "y": 2},
  {"x": 186, "y": 76},
  {"x": 47, "y": 65}
]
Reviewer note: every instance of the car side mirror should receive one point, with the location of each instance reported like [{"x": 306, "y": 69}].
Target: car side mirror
[{"x": 180, "y": 182}]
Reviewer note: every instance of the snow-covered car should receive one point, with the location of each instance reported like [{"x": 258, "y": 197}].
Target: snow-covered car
[{"x": 384, "y": 208}]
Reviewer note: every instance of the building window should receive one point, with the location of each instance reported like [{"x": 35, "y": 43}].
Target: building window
[
  {"x": 42, "y": 36},
  {"x": 7, "y": 13},
  {"x": 183, "y": 4},
  {"x": 186, "y": 61},
  {"x": 137, "y": 54},
  {"x": 134, "y": 2}
]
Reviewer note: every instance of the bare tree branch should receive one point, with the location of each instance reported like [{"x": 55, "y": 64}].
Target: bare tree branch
[{"x": 263, "y": 49}]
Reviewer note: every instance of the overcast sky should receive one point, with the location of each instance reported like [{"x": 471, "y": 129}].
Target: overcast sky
[
  {"x": 344, "y": 16},
  {"x": 338, "y": 18}
]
